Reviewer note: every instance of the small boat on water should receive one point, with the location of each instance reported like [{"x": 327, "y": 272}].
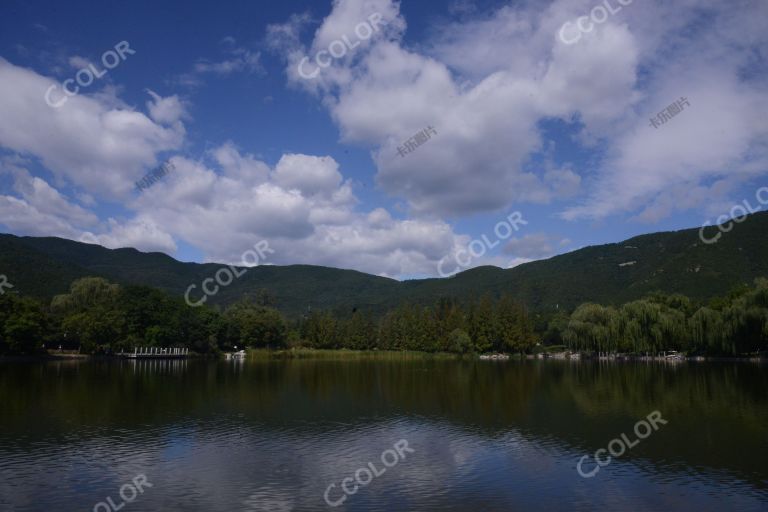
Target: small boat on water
[
  {"x": 674, "y": 356},
  {"x": 494, "y": 357},
  {"x": 235, "y": 355}
]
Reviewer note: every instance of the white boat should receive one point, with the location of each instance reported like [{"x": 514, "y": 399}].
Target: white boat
[
  {"x": 495, "y": 357},
  {"x": 235, "y": 355}
]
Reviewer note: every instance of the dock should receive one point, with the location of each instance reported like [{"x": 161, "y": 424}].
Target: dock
[{"x": 156, "y": 353}]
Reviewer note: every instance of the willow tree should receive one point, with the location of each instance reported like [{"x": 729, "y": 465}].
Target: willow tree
[
  {"x": 91, "y": 313},
  {"x": 592, "y": 327},
  {"x": 707, "y": 331}
]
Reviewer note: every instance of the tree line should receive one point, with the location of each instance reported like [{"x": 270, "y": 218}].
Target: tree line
[
  {"x": 727, "y": 326},
  {"x": 97, "y": 316},
  {"x": 484, "y": 325}
]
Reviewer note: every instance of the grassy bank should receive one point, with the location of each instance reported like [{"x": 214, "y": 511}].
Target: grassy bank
[{"x": 345, "y": 354}]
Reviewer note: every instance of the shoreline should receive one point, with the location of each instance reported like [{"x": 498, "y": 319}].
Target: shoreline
[{"x": 346, "y": 354}]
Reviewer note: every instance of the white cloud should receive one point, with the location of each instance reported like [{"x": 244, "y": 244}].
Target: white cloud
[
  {"x": 302, "y": 207},
  {"x": 486, "y": 84},
  {"x": 40, "y": 209},
  {"x": 243, "y": 60},
  {"x": 169, "y": 110},
  {"x": 238, "y": 59},
  {"x": 86, "y": 141},
  {"x": 721, "y": 135},
  {"x": 486, "y": 130},
  {"x": 243, "y": 168},
  {"x": 308, "y": 174},
  {"x": 22, "y": 217},
  {"x": 534, "y": 246},
  {"x": 140, "y": 233}
]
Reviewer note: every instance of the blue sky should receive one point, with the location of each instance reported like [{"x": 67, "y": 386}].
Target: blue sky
[{"x": 538, "y": 107}]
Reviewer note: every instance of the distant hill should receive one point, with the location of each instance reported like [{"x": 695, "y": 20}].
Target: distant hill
[{"x": 672, "y": 262}]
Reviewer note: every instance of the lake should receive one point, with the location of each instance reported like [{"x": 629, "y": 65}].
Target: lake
[{"x": 390, "y": 432}]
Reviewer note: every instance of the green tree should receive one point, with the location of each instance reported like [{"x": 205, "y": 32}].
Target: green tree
[
  {"x": 460, "y": 342},
  {"x": 23, "y": 324},
  {"x": 482, "y": 325},
  {"x": 256, "y": 326}
]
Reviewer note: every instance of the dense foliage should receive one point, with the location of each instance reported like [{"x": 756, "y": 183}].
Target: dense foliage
[
  {"x": 483, "y": 326},
  {"x": 97, "y": 316},
  {"x": 734, "y": 325}
]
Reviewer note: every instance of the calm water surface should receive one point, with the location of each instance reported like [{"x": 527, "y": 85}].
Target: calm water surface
[{"x": 487, "y": 436}]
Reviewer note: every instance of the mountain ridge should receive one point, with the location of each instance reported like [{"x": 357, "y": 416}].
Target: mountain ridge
[{"x": 671, "y": 262}]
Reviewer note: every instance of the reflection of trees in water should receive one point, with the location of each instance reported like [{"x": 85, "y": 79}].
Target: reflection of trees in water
[
  {"x": 464, "y": 391},
  {"x": 717, "y": 412}
]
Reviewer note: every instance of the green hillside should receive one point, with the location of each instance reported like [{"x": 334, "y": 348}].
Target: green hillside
[{"x": 673, "y": 262}]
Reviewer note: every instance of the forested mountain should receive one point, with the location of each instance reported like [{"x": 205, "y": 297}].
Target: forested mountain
[{"x": 671, "y": 262}]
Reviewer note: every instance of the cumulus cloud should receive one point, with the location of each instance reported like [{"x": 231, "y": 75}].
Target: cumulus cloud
[
  {"x": 303, "y": 207},
  {"x": 140, "y": 232},
  {"x": 487, "y": 103},
  {"x": 486, "y": 117},
  {"x": 168, "y": 110},
  {"x": 720, "y": 135},
  {"x": 309, "y": 175},
  {"x": 91, "y": 143},
  {"x": 39, "y": 209},
  {"x": 492, "y": 86}
]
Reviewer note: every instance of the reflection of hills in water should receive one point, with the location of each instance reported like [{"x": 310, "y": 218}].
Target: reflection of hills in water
[{"x": 717, "y": 413}]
